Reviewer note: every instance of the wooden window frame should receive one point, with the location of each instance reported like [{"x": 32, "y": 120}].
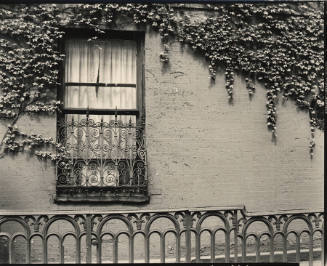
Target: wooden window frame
[{"x": 138, "y": 36}]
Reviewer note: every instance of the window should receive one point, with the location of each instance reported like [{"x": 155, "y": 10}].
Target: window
[{"x": 101, "y": 124}]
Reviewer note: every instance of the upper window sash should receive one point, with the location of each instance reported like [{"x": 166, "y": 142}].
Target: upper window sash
[
  {"x": 83, "y": 33},
  {"x": 102, "y": 62}
]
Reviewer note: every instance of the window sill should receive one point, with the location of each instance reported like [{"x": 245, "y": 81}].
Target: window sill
[{"x": 95, "y": 195}]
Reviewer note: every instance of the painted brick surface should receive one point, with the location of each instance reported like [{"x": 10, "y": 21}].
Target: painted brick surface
[{"x": 202, "y": 151}]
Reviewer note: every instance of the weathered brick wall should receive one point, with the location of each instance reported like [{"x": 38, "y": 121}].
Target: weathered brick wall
[{"x": 202, "y": 151}]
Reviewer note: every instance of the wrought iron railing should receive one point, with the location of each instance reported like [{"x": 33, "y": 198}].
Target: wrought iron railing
[
  {"x": 103, "y": 160},
  {"x": 215, "y": 235}
]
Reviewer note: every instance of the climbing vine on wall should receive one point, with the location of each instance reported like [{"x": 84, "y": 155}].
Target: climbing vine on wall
[{"x": 278, "y": 45}]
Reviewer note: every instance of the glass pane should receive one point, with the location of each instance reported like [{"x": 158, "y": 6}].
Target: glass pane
[
  {"x": 100, "y": 98},
  {"x": 105, "y": 61}
]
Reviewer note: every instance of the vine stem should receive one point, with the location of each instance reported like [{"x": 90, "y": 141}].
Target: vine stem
[
  {"x": 2, "y": 153},
  {"x": 14, "y": 121}
]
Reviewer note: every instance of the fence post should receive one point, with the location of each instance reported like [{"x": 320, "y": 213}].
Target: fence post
[
  {"x": 235, "y": 224},
  {"x": 88, "y": 238},
  {"x": 323, "y": 239},
  {"x": 188, "y": 222}
]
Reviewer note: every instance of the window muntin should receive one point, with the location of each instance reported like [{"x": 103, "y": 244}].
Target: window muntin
[
  {"x": 108, "y": 67},
  {"x": 101, "y": 125}
]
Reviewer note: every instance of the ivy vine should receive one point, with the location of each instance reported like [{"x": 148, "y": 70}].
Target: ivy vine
[{"x": 277, "y": 45}]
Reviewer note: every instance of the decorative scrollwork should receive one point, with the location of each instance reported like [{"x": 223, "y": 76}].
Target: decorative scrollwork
[
  {"x": 81, "y": 220},
  {"x": 36, "y": 222},
  {"x": 315, "y": 219},
  {"x": 188, "y": 220},
  {"x": 179, "y": 215},
  {"x": 230, "y": 216},
  {"x": 102, "y": 154},
  {"x": 281, "y": 220},
  {"x": 138, "y": 220},
  {"x": 95, "y": 217},
  {"x": 196, "y": 214},
  {"x": 30, "y": 220}
]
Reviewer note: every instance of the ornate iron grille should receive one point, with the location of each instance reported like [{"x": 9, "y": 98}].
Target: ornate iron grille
[
  {"x": 103, "y": 160},
  {"x": 131, "y": 239}
]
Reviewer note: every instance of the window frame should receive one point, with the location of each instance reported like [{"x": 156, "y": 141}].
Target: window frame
[
  {"x": 139, "y": 112},
  {"x": 138, "y": 36}
]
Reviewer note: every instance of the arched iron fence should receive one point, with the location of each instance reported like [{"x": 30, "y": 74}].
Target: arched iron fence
[{"x": 186, "y": 235}]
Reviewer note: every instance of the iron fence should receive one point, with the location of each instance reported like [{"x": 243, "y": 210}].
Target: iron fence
[{"x": 188, "y": 235}]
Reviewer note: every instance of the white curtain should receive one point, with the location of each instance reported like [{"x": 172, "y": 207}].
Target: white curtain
[{"x": 100, "y": 61}]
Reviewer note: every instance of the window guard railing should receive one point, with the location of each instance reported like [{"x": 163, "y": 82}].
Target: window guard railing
[
  {"x": 104, "y": 156},
  {"x": 271, "y": 235}
]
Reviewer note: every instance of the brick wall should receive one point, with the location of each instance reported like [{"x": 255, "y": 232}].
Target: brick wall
[{"x": 202, "y": 151}]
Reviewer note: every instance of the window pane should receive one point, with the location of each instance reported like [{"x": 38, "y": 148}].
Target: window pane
[
  {"x": 100, "y": 98},
  {"x": 104, "y": 61}
]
